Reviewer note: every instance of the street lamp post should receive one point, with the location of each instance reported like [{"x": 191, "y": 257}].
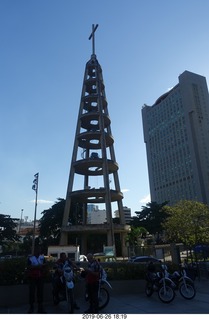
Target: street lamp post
[
  {"x": 20, "y": 220},
  {"x": 35, "y": 188}
]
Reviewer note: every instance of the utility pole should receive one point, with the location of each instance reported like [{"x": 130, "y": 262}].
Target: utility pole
[
  {"x": 35, "y": 188},
  {"x": 20, "y": 220}
]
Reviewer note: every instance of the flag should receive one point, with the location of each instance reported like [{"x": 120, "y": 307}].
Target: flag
[{"x": 35, "y": 182}]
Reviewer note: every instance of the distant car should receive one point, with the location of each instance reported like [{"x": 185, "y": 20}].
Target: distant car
[
  {"x": 104, "y": 258},
  {"x": 144, "y": 259}
]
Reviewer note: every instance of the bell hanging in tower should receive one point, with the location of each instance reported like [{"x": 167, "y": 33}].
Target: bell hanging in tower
[{"x": 94, "y": 167}]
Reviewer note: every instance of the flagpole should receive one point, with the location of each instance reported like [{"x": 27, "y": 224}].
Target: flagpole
[{"x": 35, "y": 188}]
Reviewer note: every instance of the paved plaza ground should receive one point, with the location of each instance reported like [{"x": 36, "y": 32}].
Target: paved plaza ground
[{"x": 122, "y": 303}]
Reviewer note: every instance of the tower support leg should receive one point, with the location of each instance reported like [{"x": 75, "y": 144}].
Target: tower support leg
[{"x": 63, "y": 238}]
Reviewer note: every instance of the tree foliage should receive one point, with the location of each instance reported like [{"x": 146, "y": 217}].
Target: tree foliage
[
  {"x": 135, "y": 234},
  {"x": 151, "y": 217},
  {"x": 7, "y": 229},
  {"x": 187, "y": 222},
  {"x": 51, "y": 221}
]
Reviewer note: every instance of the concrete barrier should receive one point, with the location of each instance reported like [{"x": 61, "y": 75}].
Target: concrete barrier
[{"x": 11, "y": 296}]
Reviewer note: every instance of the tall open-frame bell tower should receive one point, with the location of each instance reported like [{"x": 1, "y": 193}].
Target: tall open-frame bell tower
[{"x": 93, "y": 163}]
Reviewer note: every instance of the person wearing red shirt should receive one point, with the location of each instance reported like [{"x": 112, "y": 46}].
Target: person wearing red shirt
[
  {"x": 92, "y": 283},
  {"x": 36, "y": 274}
]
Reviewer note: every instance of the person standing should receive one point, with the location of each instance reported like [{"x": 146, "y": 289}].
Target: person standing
[
  {"x": 36, "y": 273},
  {"x": 92, "y": 283}
]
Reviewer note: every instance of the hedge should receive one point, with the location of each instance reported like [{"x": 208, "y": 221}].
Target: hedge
[{"x": 14, "y": 271}]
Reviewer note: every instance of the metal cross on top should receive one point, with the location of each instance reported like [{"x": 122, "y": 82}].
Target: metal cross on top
[{"x": 92, "y": 36}]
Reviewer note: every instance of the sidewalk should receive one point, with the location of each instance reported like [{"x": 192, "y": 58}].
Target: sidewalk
[{"x": 135, "y": 304}]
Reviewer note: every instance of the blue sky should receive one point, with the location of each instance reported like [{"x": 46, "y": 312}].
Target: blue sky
[{"x": 142, "y": 47}]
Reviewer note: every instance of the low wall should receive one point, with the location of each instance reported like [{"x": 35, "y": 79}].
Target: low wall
[{"x": 11, "y": 296}]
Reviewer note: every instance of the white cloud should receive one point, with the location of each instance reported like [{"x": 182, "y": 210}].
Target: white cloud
[
  {"x": 42, "y": 201},
  {"x": 146, "y": 199},
  {"x": 125, "y": 190}
]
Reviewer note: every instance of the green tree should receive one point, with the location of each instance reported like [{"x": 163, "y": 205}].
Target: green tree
[
  {"x": 187, "y": 222},
  {"x": 26, "y": 244},
  {"x": 151, "y": 218},
  {"x": 7, "y": 229},
  {"x": 51, "y": 222},
  {"x": 135, "y": 234}
]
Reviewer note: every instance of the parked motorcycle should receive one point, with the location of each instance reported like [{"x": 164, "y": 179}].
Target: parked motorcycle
[
  {"x": 182, "y": 282},
  {"x": 158, "y": 282},
  {"x": 103, "y": 293},
  {"x": 66, "y": 291}
]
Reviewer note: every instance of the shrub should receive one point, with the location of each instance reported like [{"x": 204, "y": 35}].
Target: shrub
[
  {"x": 124, "y": 271},
  {"x": 14, "y": 271}
]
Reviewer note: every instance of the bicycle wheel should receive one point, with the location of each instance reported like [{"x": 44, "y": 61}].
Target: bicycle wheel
[
  {"x": 187, "y": 291},
  {"x": 166, "y": 294},
  {"x": 70, "y": 300},
  {"x": 104, "y": 298}
]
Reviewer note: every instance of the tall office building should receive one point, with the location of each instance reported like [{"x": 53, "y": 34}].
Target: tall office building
[{"x": 176, "y": 134}]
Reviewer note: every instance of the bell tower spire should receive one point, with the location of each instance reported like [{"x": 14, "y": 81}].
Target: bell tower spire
[
  {"x": 93, "y": 178},
  {"x": 92, "y": 36}
]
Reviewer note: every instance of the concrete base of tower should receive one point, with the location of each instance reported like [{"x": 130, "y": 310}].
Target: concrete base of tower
[
  {"x": 84, "y": 230},
  {"x": 95, "y": 228}
]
